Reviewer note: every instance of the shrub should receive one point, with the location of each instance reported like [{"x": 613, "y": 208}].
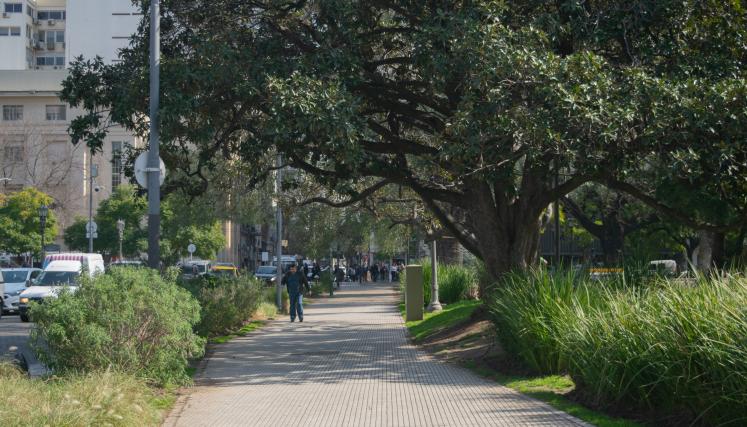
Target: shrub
[
  {"x": 226, "y": 303},
  {"x": 131, "y": 320},
  {"x": 269, "y": 295},
  {"x": 326, "y": 282},
  {"x": 103, "y": 398}
]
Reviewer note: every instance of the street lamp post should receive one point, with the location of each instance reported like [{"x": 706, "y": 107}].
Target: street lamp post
[
  {"x": 435, "y": 304},
  {"x": 43, "y": 212},
  {"x": 120, "y": 231}
]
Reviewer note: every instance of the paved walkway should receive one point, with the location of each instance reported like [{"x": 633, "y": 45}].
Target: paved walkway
[{"x": 348, "y": 364}]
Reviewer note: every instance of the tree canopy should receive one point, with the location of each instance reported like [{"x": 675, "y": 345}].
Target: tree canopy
[
  {"x": 475, "y": 106},
  {"x": 20, "y": 226}
]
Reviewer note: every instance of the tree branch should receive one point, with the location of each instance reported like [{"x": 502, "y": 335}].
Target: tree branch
[
  {"x": 667, "y": 210},
  {"x": 355, "y": 199}
]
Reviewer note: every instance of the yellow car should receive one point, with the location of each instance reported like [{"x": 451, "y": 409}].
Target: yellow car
[{"x": 225, "y": 270}]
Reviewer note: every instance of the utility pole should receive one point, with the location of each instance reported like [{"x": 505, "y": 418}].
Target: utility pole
[
  {"x": 279, "y": 234},
  {"x": 153, "y": 170},
  {"x": 90, "y": 204},
  {"x": 435, "y": 304}
]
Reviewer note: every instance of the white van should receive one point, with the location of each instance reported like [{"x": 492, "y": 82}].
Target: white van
[{"x": 60, "y": 270}]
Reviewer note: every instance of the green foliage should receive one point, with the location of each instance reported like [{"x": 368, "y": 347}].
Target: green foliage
[
  {"x": 20, "y": 229},
  {"x": 188, "y": 221},
  {"x": 124, "y": 204},
  {"x": 183, "y": 222},
  {"x": 225, "y": 303},
  {"x": 485, "y": 94},
  {"x": 528, "y": 309},
  {"x": 326, "y": 282},
  {"x": 98, "y": 398},
  {"x": 455, "y": 282},
  {"x": 671, "y": 347},
  {"x": 131, "y": 320}
]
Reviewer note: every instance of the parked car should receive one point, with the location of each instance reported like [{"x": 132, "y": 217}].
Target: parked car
[
  {"x": 16, "y": 281},
  {"x": 267, "y": 274},
  {"x": 60, "y": 271}
]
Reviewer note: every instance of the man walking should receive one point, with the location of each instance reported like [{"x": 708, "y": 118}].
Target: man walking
[{"x": 296, "y": 283}]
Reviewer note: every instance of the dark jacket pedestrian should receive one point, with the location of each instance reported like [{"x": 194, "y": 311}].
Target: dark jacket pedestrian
[{"x": 296, "y": 283}]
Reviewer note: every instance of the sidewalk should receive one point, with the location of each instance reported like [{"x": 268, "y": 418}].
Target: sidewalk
[{"x": 348, "y": 364}]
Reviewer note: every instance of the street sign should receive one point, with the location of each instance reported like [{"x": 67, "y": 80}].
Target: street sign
[
  {"x": 191, "y": 248},
  {"x": 91, "y": 226},
  {"x": 95, "y": 235},
  {"x": 141, "y": 170}
]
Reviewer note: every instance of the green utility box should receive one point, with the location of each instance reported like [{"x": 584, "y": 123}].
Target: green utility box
[{"x": 414, "y": 292}]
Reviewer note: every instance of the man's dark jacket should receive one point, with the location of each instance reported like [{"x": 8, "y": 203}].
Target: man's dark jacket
[{"x": 296, "y": 282}]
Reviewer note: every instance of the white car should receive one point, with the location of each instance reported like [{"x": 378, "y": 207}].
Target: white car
[
  {"x": 60, "y": 271},
  {"x": 16, "y": 281}
]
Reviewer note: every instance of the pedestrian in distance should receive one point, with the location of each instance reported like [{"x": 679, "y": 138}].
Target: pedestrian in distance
[
  {"x": 374, "y": 273},
  {"x": 360, "y": 273},
  {"x": 296, "y": 283},
  {"x": 339, "y": 276}
]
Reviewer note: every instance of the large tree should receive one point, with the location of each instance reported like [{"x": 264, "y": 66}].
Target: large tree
[{"x": 475, "y": 106}]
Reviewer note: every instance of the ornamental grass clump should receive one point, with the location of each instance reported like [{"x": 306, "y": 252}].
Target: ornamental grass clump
[
  {"x": 129, "y": 320},
  {"x": 676, "y": 349},
  {"x": 455, "y": 282},
  {"x": 530, "y": 310}
]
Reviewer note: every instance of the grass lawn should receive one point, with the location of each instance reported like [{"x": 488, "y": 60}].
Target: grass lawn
[
  {"x": 550, "y": 389},
  {"x": 254, "y": 324},
  {"x": 105, "y": 398},
  {"x": 436, "y": 322}
]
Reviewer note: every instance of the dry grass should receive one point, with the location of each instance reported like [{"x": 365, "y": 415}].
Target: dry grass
[{"x": 95, "y": 399}]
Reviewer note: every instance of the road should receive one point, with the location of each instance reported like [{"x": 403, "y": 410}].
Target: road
[{"x": 13, "y": 333}]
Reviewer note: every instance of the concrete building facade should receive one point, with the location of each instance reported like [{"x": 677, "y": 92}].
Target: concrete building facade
[{"x": 38, "y": 38}]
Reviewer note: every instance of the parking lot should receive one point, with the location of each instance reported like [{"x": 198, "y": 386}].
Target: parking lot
[{"x": 13, "y": 333}]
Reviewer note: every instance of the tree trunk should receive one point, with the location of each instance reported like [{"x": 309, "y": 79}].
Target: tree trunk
[
  {"x": 449, "y": 251},
  {"x": 710, "y": 251},
  {"x": 612, "y": 241}
]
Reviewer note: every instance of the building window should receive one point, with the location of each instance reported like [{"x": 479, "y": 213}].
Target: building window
[
  {"x": 12, "y": 31},
  {"x": 117, "y": 169},
  {"x": 51, "y": 37},
  {"x": 13, "y": 154},
  {"x": 12, "y": 112},
  {"x": 57, "y": 15},
  {"x": 56, "y": 112},
  {"x": 47, "y": 61},
  {"x": 13, "y": 8},
  {"x": 30, "y": 11}
]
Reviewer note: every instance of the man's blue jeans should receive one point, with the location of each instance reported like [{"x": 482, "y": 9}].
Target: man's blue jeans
[{"x": 296, "y": 305}]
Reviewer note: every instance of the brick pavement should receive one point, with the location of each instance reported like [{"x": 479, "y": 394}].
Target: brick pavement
[{"x": 349, "y": 364}]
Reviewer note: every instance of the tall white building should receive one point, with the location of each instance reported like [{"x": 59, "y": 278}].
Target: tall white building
[{"x": 38, "y": 38}]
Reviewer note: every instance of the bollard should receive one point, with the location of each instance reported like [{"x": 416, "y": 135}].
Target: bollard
[{"x": 414, "y": 292}]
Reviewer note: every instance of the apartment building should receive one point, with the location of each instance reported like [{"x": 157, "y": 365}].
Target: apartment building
[{"x": 38, "y": 38}]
